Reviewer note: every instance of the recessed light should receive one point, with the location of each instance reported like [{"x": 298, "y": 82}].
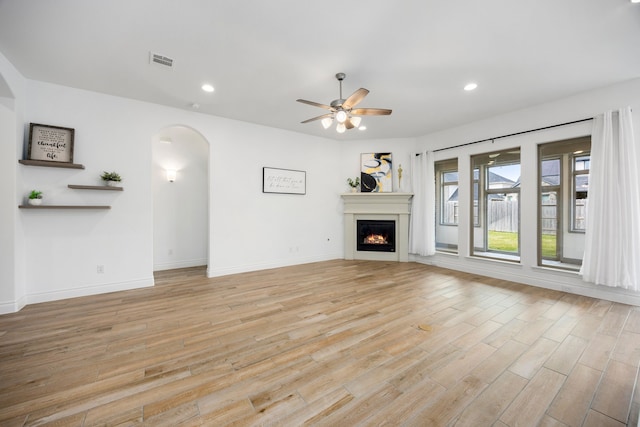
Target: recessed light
[
  {"x": 362, "y": 128},
  {"x": 207, "y": 87},
  {"x": 635, "y": 1},
  {"x": 470, "y": 86}
]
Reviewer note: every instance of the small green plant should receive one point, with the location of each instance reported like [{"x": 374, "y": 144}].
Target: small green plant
[
  {"x": 353, "y": 183},
  {"x": 111, "y": 176},
  {"x": 35, "y": 194}
]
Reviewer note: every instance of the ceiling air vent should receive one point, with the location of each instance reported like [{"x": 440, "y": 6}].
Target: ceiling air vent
[{"x": 155, "y": 58}]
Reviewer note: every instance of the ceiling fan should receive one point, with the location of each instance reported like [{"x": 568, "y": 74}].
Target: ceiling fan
[{"x": 343, "y": 111}]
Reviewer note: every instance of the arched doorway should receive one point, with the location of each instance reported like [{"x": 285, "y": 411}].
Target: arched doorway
[{"x": 180, "y": 182}]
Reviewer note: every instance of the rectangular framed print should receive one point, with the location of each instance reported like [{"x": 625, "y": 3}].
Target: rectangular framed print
[
  {"x": 50, "y": 143},
  {"x": 284, "y": 181},
  {"x": 376, "y": 173}
]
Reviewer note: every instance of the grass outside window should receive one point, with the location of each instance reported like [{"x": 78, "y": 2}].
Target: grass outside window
[{"x": 505, "y": 241}]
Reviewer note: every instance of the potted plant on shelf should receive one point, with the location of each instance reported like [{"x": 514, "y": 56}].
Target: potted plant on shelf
[
  {"x": 354, "y": 184},
  {"x": 111, "y": 178},
  {"x": 35, "y": 197}
]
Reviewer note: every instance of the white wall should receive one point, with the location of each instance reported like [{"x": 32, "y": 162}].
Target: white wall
[
  {"x": 249, "y": 230},
  {"x": 12, "y": 256},
  {"x": 180, "y": 208},
  {"x": 577, "y": 107},
  {"x": 7, "y": 208},
  {"x": 252, "y": 230}
]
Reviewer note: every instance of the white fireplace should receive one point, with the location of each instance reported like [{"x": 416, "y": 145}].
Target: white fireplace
[{"x": 380, "y": 207}]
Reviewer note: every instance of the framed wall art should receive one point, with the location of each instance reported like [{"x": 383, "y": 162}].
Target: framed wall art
[
  {"x": 284, "y": 181},
  {"x": 376, "y": 173},
  {"x": 50, "y": 143}
]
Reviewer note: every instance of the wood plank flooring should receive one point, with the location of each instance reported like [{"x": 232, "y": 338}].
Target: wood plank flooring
[{"x": 337, "y": 343}]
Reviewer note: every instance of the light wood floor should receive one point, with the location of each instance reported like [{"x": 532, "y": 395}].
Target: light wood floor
[{"x": 338, "y": 343}]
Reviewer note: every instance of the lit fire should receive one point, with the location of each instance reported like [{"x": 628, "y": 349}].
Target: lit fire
[{"x": 375, "y": 239}]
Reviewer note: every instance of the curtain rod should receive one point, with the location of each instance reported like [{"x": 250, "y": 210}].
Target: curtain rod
[{"x": 513, "y": 134}]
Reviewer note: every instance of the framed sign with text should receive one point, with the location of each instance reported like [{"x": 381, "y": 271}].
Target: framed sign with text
[
  {"x": 50, "y": 143},
  {"x": 284, "y": 181}
]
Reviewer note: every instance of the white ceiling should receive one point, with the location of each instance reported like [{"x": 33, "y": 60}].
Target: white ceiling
[{"x": 414, "y": 56}]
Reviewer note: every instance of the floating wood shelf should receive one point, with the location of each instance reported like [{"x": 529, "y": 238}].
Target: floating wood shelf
[
  {"x": 63, "y": 207},
  {"x": 51, "y": 164},
  {"x": 95, "y": 187}
]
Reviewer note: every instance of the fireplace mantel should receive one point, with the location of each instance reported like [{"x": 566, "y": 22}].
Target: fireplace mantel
[{"x": 377, "y": 206}]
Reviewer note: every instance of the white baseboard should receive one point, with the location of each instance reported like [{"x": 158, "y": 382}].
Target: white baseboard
[
  {"x": 180, "y": 264},
  {"x": 7, "y": 307},
  {"x": 89, "y": 290},
  {"x": 559, "y": 280},
  {"x": 225, "y": 271}
]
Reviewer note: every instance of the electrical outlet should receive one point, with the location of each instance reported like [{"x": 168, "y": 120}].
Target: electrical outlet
[{"x": 100, "y": 269}]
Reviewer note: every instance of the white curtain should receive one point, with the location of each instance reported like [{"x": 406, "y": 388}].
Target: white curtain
[
  {"x": 612, "y": 238},
  {"x": 422, "y": 239}
]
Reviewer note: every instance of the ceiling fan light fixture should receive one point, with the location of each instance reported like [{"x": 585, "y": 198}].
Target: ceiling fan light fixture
[
  {"x": 341, "y": 116},
  {"x": 342, "y": 110}
]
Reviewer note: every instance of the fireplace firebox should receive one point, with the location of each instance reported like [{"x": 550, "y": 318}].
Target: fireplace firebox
[{"x": 376, "y": 236}]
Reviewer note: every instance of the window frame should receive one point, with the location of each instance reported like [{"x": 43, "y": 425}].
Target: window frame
[
  {"x": 442, "y": 168},
  {"x": 567, "y": 151},
  {"x": 513, "y": 158},
  {"x": 574, "y": 174},
  {"x": 560, "y": 201},
  {"x": 444, "y": 230}
]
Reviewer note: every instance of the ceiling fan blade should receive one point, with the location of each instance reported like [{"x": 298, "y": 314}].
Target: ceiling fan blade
[
  {"x": 315, "y": 104},
  {"x": 318, "y": 118},
  {"x": 371, "y": 112},
  {"x": 348, "y": 124},
  {"x": 355, "y": 98}
]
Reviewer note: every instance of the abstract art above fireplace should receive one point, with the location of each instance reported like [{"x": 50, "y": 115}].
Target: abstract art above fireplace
[{"x": 376, "y": 173}]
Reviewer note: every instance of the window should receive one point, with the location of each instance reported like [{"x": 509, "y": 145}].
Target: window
[
  {"x": 447, "y": 205},
  {"x": 580, "y": 191},
  {"x": 563, "y": 195},
  {"x": 476, "y": 203},
  {"x": 496, "y": 209}
]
